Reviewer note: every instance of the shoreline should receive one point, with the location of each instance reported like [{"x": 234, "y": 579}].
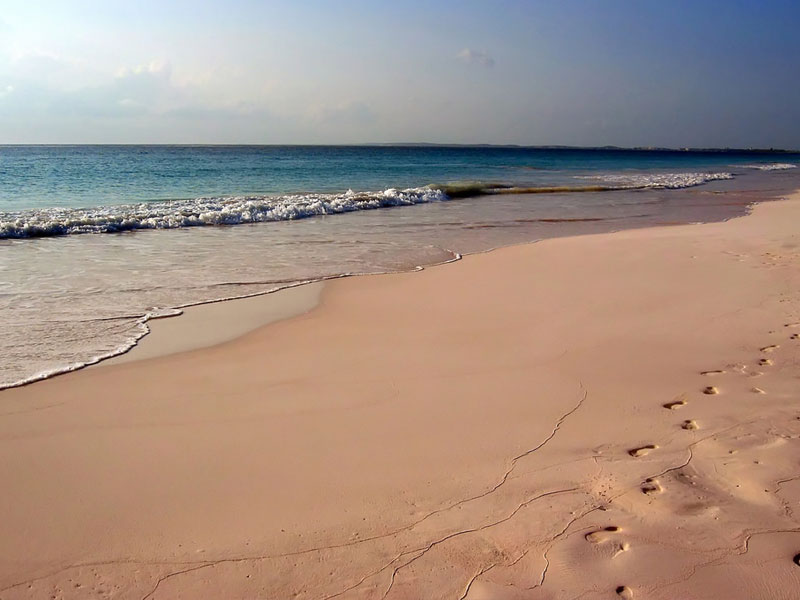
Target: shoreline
[
  {"x": 180, "y": 333},
  {"x": 545, "y": 418},
  {"x": 259, "y": 310},
  {"x": 97, "y": 350},
  {"x": 211, "y": 323}
]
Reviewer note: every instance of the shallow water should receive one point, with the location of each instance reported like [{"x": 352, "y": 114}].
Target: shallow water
[{"x": 68, "y": 300}]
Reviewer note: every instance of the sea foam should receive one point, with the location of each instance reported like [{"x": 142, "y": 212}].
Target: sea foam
[
  {"x": 771, "y": 167},
  {"x": 670, "y": 181},
  {"x": 200, "y": 212},
  {"x": 235, "y": 210}
]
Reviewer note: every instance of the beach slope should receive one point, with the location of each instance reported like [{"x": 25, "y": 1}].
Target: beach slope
[{"x": 598, "y": 417}]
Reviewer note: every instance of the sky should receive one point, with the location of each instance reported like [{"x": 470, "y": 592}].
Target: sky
[{"x": 676, "y": 73}]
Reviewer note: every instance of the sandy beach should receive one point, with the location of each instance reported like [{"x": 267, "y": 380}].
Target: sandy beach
[{"x": 601, "y": 416}]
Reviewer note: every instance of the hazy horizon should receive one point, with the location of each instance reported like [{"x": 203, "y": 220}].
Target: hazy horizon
[
  {"x": 709, "y": 149},
  {"x": 578, "y": 73}
]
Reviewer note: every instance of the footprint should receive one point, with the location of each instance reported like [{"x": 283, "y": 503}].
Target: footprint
[
  {"x": 651, "y": 486},
  {"x": 690, "y": 425},
  {"x": 710, "y": 390},
  {"x": 765, "y": 362},
  {"x": 638, "y": 452},
  {"x": 715, "y": 372},
  {"x": 769, "y": 348},
  {"x": 601, "y": 535},
  {"x": 674, "y": 405},
  {"x": 623, "y": 547},
  {"x": 623, "y": 591}
]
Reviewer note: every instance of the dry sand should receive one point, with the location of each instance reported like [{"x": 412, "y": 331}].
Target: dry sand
[{"x": 596, "y": 417}]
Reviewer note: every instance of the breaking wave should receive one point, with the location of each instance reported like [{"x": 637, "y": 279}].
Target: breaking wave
[
  {"x": 236, "y": 210},
  {"x": 201, "y": 212},
  {"x": 671, "y": 181},
  {"x": 771, "y": 167}
]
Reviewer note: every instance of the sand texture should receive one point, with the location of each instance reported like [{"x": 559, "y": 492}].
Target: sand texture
[{"x": 609, "y": 416}]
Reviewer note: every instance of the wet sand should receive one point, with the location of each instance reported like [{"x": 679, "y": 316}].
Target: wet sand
[{"x": 606, "y": 416}]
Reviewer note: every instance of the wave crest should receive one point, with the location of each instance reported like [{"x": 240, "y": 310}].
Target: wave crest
[
  {"x": 202, "y": 212},
  {"x": 670, "y": 181},
  {"x": 236, "y": 210},
  {"x": 771, "y": 167}
]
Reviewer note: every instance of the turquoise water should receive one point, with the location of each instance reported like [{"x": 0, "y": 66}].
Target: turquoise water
[
  {"x": 188, "y": 225},
  {"x": 90, "y": 176}
]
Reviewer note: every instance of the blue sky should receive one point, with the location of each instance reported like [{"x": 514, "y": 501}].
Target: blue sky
[{"x": 577, "y": 72}]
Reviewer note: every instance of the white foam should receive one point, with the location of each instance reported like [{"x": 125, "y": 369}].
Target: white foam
[
  {"x": 658, "y": 180},
  {"x": 771, "y": 167},
  {"x": 202, "y": 212}
]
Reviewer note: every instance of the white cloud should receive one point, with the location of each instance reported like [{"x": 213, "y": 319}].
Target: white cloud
[
  {"x": 48, "y": 69},
  {"x": 147, "y": 87},
  {"x": 141, "y": 92},
  {"x": 51, "y": 88},
  {"x": 475, "y": 57},
  {"x": 158, "y": 67}
]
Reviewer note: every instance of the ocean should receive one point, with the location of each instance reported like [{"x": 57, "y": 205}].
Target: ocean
[{"x": 97, "y": 240}]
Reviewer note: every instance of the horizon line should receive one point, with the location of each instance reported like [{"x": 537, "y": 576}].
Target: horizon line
[{"x": 424, "y": 144}]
